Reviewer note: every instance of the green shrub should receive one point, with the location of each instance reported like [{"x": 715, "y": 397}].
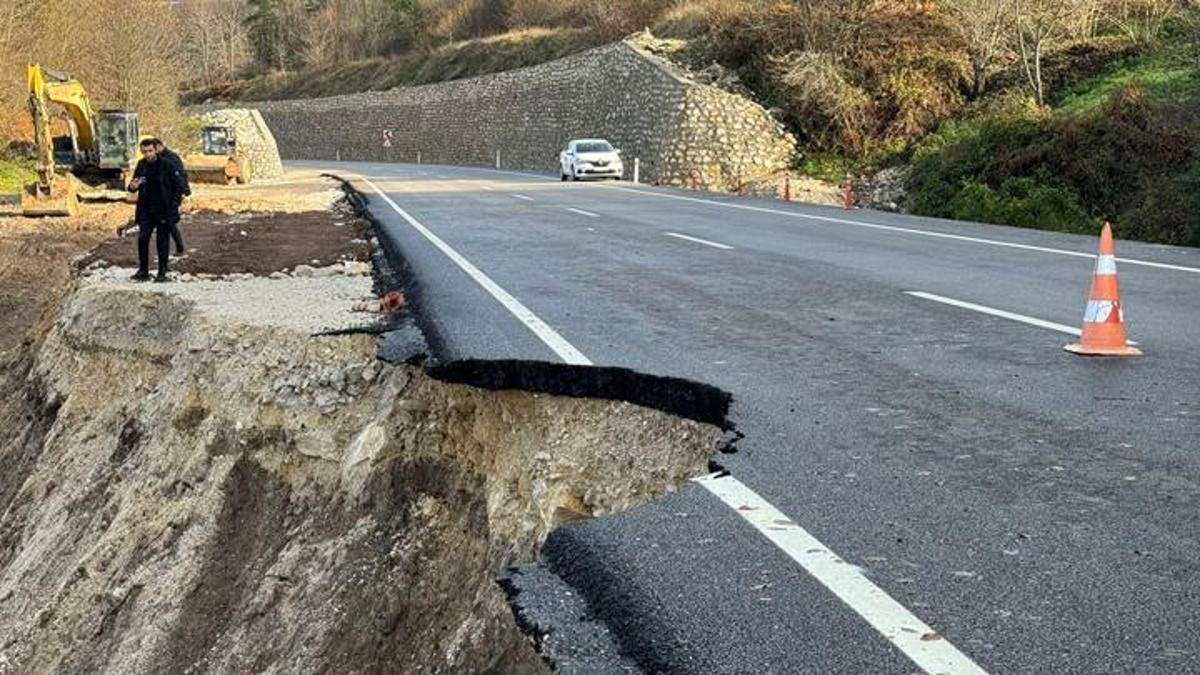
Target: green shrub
[
  {"x": 1130, "y": 160},
  {"x": 1166, "y": 211},
  {"x": 1022, "y": 202},
  {"x": 13, "y": 175}
]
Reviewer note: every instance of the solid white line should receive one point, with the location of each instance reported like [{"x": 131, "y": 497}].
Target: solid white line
[
  {"x": 581, "y": 212},
  {"x": 1040, "y": 323},
  {"x": 997, "y": 312},
  {"x": 919, "y": 642},
  {"x": 565, "y": 350},
  {"x": 929, "y": 650},
  {"x": 699, "y": 241},
  {"x": 906, "y": 230},
  {"x": 525, "y": 197}
]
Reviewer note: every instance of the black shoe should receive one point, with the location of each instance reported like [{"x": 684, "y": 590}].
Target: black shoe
[
  {"x": 162, "y": 278},
  {"x": 141, "y": 276}
]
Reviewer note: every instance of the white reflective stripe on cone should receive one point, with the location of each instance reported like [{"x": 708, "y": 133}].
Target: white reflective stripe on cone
[
  {"x": 1098, "y": 311},
  {"x": 1106, "y": 264}
]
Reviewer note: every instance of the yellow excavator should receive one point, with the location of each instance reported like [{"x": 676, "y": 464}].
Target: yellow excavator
[
  {"x": 100, "y": 149},
  {"x": 219, "y": 160}
]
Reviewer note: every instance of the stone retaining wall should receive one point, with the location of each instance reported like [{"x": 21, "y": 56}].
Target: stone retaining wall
[{"x": 641, "y": 103}]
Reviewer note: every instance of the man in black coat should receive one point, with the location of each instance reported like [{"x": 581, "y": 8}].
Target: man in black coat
[
  {"x": 166, "y": 153},
  {"x": 160, "y": 185}
]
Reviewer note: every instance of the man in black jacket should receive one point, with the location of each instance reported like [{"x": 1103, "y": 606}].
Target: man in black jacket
[
  {"x": 166, "y": 153},
  {"x": 160, "y": 186}
]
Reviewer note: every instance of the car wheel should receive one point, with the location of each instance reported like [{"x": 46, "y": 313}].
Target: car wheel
[{"x": 563, "y": 176}]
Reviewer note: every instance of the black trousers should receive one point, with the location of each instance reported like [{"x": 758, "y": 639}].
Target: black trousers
[
  {"x": 177, "y": 236},
  {"x": 161, "y": 227}
]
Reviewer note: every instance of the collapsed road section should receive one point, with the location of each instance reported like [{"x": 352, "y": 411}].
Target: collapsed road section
[{"x": 219, "y": 474}]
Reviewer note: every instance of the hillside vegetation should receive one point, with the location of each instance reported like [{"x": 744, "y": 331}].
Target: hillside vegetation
[
  {"x": 1121, "y": 146},
  {"x": 467, "y": 58},
  {"x": 1042, "y": 113}
]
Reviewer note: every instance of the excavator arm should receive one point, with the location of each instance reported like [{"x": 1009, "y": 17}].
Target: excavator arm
[
  {"x": 42, "y": 136},
  {"x": 53, "y": 87},
  {"x": 52, "y": 194}
]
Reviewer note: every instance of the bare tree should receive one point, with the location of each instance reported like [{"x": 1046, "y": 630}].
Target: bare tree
[
  {"x": 1083, "y": 18},
  {"x": 215, "y": 43},
  {"x": 1038, "y": 24},
  {"x": 983, "y": 26},
  {"x": 15, "y": 18},
  {"x": 1141, "y": 20}
]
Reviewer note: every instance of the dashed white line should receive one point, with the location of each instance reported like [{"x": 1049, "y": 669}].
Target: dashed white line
[
  {"x": 487, "y": 188},
  {"x": 928, "y": 649},
  {"x": 581, "y": 212},
  {"x": 1003, "y": 314},
  {"x": 524, "y": 197},
  {"x": 565, "y": 350},
  {"x": 905, "y": 230},
  {"x": 919, "y": 642},
  {"x": 698, "y": 240}
]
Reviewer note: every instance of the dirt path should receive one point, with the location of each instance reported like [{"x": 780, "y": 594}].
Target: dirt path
[
  {"x": 34, "y": 264},
  {"x": 259, "y": 243}
]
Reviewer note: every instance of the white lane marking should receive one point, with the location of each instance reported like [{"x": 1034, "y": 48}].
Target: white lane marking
[
  {"x": 524, "y": 197},
  {"x": 487, "y": 188},
  {"x": 997, "y": 312},
  {"x": 581, "y": 212},
  {"x": 906, "y": 230},
  {"x": 565, "y": 350},
  {"x": 992, "y": 311},
  {"x": 919, "y": 642},
  {"x": 538, "y": 176},
  {"x": 699, "y": 241},
  {"x": 925, "y": 647}
]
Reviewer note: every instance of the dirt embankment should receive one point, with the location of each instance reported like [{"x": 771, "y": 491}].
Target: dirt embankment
[{"x": 192, "y": 481}]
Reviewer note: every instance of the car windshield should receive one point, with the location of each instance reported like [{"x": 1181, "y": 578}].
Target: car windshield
[{"x": 594, "y": 146}]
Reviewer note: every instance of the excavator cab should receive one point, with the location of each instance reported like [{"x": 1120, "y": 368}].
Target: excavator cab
[
  {"x": 218, "y": 141},
  {"x": 118, "y": 133}
]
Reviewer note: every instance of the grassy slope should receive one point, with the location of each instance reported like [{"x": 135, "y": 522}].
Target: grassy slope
[
  {"x": 1098, "y": 154},
  {"x": 1169, "y": 75}
]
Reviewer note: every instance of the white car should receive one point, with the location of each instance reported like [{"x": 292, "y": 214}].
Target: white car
[{"x": 590, "y": 158}]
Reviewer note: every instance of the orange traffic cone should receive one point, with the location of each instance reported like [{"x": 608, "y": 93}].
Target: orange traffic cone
[{"x": 1104, "y": 321}]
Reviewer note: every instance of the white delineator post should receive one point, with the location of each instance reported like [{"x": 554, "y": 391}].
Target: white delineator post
[
  {"x": 418, "y": 158},
  {"x": 497, "y": 159},
  {"x": 637, "y": 165}
]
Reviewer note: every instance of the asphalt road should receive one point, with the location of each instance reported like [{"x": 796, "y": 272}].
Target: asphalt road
[{"x": 1040, "y": 511}]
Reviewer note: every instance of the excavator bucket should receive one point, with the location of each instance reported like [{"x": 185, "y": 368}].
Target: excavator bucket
[
  {"x": 60, "y": 198},
  {"x": 212, "y": 169}
]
